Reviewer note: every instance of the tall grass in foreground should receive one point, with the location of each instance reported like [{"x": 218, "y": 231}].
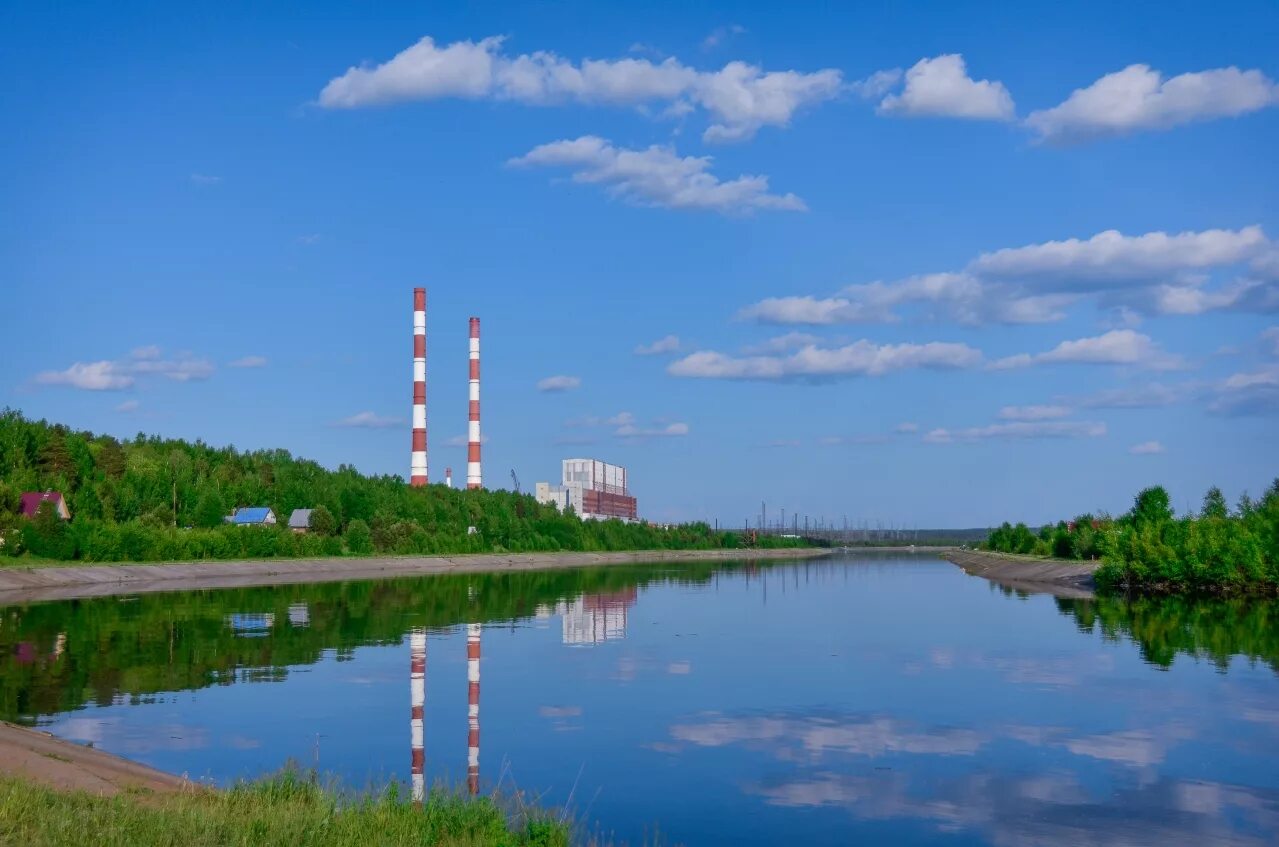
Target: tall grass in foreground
[{"x": 288, "y": 809}]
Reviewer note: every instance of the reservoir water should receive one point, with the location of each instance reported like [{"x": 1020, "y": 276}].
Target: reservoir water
[{"x": 854, "y": 699}]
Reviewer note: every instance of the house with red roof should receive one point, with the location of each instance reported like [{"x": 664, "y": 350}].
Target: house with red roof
[{"x": 33, "y": 500}]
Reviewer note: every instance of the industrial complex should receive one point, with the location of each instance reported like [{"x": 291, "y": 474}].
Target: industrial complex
[{"x": 595, "y": 489}]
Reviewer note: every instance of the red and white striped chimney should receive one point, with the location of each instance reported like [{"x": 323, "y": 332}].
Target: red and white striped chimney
[
  {"x": 448, "y": 477},
  {"x": 473, "y": 708},
  {"x": 474, "y": 479},
  {"x": 417, "y": 697},
  {"x": 417, "y": 470}
]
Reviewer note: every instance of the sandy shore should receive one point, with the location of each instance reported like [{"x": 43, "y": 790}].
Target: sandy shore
[
  {"x": 19, "y": 585},
  {"x": 42, "y": 758},
  {"x": 1059, "y": 578}
]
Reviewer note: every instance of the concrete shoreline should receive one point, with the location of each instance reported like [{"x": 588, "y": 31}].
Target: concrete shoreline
[
  {"x": 19, "y": 585},
  {"x": 46, "y": 759},
  {"x": 1045, "y": 576}
]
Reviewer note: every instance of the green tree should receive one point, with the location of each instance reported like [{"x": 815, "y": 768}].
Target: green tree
[
  {"x": 359, "y": 540},
  {"x": 210, "y": 508},
  {"x": 1152, "y": 507},
  {"x": 322, "y": 521},
  {"x": 1214, "y": 505}
]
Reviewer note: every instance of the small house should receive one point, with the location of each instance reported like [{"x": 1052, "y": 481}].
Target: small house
[
  {"x": 33, "y": 500},
  {"x": 253, "y": 516},
  {"x": 300, "y": 521}
]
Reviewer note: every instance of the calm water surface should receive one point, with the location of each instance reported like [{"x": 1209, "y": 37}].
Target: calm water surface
[{"x": 885, "y": 699}]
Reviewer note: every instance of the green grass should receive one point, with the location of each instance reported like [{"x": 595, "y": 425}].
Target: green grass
[{"x": 288, "y": 809}]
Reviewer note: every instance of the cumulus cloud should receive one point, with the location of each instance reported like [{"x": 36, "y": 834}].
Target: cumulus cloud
[
  {"x": 90, "y": 376},
  {"x": 1117, "y": 347},
  {"x": 1156, "y": 273},
  {"x": 1141, "y": 98},
  {"x": 1017, "y": 430},
  {"x": 861, "y": 358},
  {"x": 783, "y": 343},
  {"x": 559, "y": 383},
  {"x": 1111, "y": 256},
  {"x": 665, "y": 344},
  {"x": 1146, "y": 448},
  {"x": 1247, "y": 393},
  {"x": 117, "y": 375},
  {"x": 657, "y": 176},
  {"x": 249, "y": 362},
  {"x": 740, "y": 98},
  {"x": 370, "y": 420},
  {"x": 1034, "y": 413},
  {"x": 941, "y": 87}
]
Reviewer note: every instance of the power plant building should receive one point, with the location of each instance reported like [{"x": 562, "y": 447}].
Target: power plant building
[{"x": 595, "y": 489}]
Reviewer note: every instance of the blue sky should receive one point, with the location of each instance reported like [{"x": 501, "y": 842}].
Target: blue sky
[{"x": 932, "y": 265}]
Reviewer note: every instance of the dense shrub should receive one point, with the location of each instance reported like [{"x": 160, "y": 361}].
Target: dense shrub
[{"x": 1150, "y": 547}]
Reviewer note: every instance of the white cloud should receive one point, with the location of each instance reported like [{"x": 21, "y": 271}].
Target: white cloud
[
  {"x": 861, "y": 358},
  {"x": 657, "y": 176},
  {"x": 1117, "y": 347},
  {"x": 90, "y": 376},
  {"x": 740, "y": 98},
  {"x": 877, "y": 84},
  {"x": 128, "y": 406},
  {"x": 1146, "y": 396},
  {"x": 559, "y": 383},
  {"x": 1152, "y": 274},
  {"x": 666, "y": 344},
  {"x": 1111, "y": 256},
  {"x": 205, "y": 179},
  {"x": 370, "y": 420},
  {"x": 1139, "y": 97},
  {"x": 941, "y": 87},
  {"x": 663, "y": 431},
  {"x": 782, "y": 343},
  {"x": 720, "y": 34},
  {"x": 117, "y": 375},
  {"x": 249, "y": 362},
  {"x": 1247, "y": 393},
  {"x": 1146, "y": 448},
  {"x": 1034, "y": 413},
  {"x": 1016, "y": 430}
]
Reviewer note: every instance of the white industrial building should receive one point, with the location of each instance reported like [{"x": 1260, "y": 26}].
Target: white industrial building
[{"x": 595, "y": 489}]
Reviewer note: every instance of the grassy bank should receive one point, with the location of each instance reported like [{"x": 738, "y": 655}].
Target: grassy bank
[
  {"x": 1151, "y": 549},
  {"x": 285, "y": 810}
]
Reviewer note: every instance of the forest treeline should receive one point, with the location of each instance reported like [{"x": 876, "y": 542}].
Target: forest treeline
[
  {"x": 158, "y": 499},
  {"x": 1151, "y": 548}
]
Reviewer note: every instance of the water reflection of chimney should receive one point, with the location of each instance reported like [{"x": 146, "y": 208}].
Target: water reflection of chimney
[
  {"x": 473, "y": 708},
  {"x": 417, "y": 697}
]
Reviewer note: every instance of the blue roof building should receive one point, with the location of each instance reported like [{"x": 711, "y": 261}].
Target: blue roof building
[{"x": 253, "y": 516}]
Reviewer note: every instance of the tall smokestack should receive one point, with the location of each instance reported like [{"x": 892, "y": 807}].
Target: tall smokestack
[
  {"x": 473, "y": 708},
  {"x": 417, "y": 470},
  {"x": 448, "y": 477},
  {"x": 417, "y": 697},
  {"x": 473, "y": 477}
]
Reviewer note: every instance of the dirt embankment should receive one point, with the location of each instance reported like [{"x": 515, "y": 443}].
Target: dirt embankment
[
  {"x": 60, "y": 583},
  {"x": 42, "y": 758},
  {"x": 1052, "y": 576}
]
